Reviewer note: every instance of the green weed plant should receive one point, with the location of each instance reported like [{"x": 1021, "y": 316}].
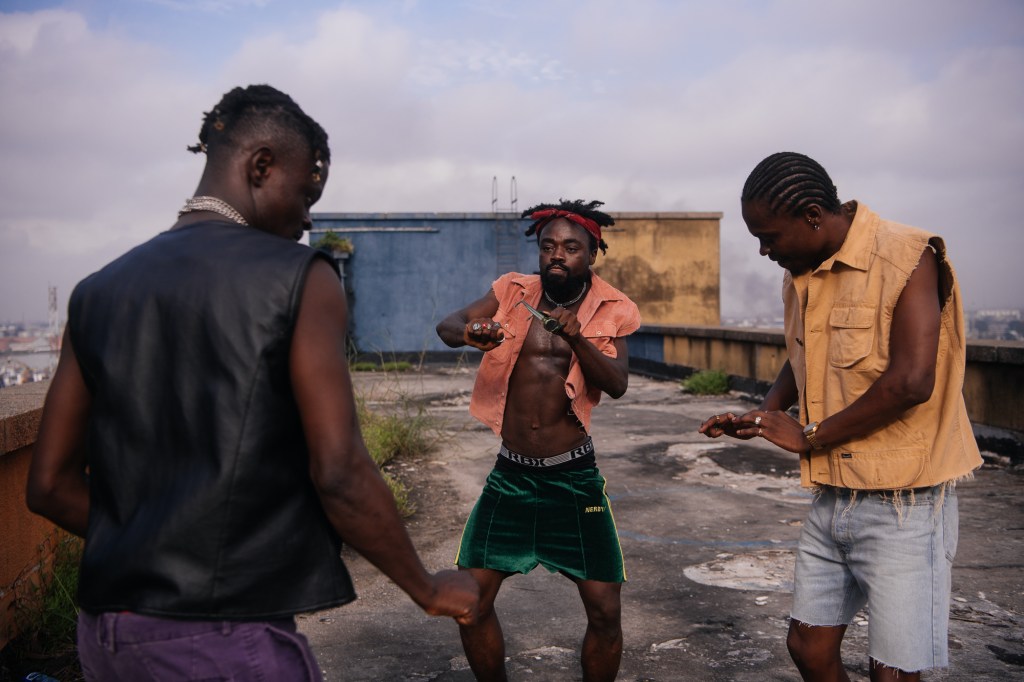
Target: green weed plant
[
  {"x": 367, "y": 366},
  {"x": 397, "y": 366},
  {"x": 408, "y": 432},
  {"x": 707, "y": 382},
  {"x": 332, "y": 243},
  {"x": 46, "y": 614}
]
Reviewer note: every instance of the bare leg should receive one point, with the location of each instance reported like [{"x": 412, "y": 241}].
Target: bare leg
[
  {"x": 815, "y": 650},
  {"x": 484, "y": 642},
  {"x": 602, "y": 644},
  {"x": 883, "y": 673}
]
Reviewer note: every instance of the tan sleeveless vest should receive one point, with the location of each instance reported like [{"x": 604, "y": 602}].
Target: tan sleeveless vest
[{"x": 849, "y": 301}]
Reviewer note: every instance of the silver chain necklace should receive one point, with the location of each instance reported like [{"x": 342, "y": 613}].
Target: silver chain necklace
[
  {"x": 212, "y": 204},
  {"x": 567, "y": 303}
]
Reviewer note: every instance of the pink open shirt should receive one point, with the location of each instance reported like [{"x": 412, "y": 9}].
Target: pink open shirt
[{"x": 606, "y": 314}]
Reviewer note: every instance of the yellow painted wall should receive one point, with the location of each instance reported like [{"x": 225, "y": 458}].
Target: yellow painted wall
[
  {"x": 742, "y": 357},
  {"x": 993, "y": 394},
  {"x": 668, "y": 263}
]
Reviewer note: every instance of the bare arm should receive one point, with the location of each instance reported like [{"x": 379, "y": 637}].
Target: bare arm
[
  {"x": 57, "y": 485},
  {"x": 783, "y": 393},
  {"x": 907, "y": 381},
  {"x": 355, "y": 497},
  {"x": 609, "y": 374},
  {"x": 458, "y": 330}
]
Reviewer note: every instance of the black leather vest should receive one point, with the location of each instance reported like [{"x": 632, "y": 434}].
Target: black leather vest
[{"x": 201, "y": 504}]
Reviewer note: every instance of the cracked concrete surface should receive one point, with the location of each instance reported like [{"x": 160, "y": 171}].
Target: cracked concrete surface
[{"x": 708, "y": 530}]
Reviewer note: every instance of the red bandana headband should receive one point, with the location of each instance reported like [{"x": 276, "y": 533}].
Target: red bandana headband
[{"x": 548, "y": 214}]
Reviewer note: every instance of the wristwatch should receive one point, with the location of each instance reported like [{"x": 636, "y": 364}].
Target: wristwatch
[{"x": 809, "y": 432}]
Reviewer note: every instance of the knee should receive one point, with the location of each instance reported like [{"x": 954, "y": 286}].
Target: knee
[
  {"x": 489, "y": 583},
  {"x": 809, "y": 647},
  {"x": 605, "y": 616},
  {"x": 797, "y": 645},
  {"x": 484, "y": 611}
]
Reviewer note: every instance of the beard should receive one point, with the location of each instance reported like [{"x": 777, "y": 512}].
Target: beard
[{"x": 563, "y": 288}]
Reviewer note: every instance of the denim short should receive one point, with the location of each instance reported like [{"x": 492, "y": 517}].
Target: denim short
[
  {"x": 865, "y": 548},
  {"x": 131, "y": 646}
]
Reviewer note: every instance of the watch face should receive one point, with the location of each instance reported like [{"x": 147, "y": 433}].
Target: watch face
[{"x": 811, "y": 428}]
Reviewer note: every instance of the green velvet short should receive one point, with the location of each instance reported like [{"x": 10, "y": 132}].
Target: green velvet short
[{"x": 560, "y": 520}]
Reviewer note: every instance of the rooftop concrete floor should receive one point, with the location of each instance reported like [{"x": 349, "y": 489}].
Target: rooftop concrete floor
[{"x": 708, "y": 530}]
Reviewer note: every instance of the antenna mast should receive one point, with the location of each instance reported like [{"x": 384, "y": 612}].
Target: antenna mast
[
  {"x": 53, "y": 330},
  {"x": 513, "y": 195}
]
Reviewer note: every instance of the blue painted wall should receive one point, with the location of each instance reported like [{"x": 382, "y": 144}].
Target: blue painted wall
[
  {"x": 646, "y": 346},
  {"x": 409, "y": 270}
]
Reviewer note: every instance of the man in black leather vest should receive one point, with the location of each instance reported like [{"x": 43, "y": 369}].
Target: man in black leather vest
[{"x": 200, "y": 430}]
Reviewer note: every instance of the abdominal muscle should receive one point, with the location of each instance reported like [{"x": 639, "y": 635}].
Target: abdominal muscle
[{"x": 538, "y": 420}]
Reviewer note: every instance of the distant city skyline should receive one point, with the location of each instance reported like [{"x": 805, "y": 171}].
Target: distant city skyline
[
  {"x": 764, "y": 318},
  {"x": 659, "y": 105}
]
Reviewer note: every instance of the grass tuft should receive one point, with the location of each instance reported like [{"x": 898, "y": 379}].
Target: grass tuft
[
  {"x": 366, "y": 366},
  {"x": 332, "y": 243},
  {"x": 400, "y": 492},
  {"x": 397, "y": 366},
  {"x": 388, "y": 437},
  {"x": 46, "y": 615},
  {"x": 706, "y": 382}
]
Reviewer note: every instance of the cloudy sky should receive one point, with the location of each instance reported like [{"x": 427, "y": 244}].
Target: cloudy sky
[{"x": 916, "y": 107}]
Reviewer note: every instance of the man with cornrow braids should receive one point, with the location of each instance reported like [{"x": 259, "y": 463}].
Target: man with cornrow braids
[
  {"x": 875, "y": 337},
  {"x": 553, "y": 343},
  {"x": 200, "y": 431}
]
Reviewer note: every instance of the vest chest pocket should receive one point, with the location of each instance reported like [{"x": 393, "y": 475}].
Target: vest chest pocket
[
  {"x": 504, "y": 349},
  {"x": 601, "y": 335},
  {"x": 852, "y": 335}
]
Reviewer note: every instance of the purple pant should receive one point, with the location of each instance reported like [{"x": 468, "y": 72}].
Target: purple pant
[{"x": 129, "y": 646}]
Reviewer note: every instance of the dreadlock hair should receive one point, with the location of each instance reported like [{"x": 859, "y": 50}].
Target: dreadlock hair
[
  {"x": 790, "y": 182},
  {"x": 579, "y": 207},
  {"x": 259, "y": 109}
]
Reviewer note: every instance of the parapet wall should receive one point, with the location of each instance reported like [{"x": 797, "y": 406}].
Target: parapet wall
[
  {"x": 24, "y": 535},
  {"x": 753, "y": 358}
]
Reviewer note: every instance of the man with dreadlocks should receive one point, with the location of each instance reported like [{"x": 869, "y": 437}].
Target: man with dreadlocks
[
  {"x": 200, "y": 430},
  {"x": 875, "y": 336},
  {"x": 552, "y": 344}
]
